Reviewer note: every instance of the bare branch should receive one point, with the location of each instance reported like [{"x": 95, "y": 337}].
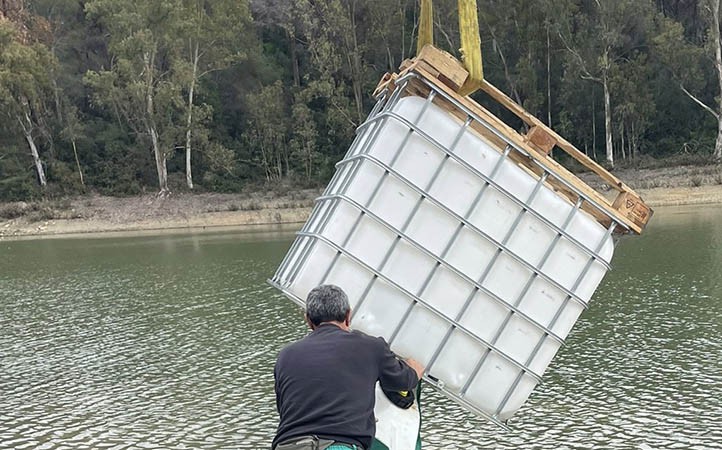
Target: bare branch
[
  {"x": 699, "y": 102},
  {"x": 507, "y": 75},
  {"x": 587, "y": 75}
]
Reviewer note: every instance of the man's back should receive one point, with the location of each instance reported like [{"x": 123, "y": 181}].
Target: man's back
[{"x": 325, "y": 385}]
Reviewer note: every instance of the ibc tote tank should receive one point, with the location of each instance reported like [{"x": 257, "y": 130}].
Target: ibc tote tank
[{"x": 458, "y": 240}]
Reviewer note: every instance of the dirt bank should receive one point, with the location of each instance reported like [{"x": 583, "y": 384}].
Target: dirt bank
[{"x": 97, "y": 214}]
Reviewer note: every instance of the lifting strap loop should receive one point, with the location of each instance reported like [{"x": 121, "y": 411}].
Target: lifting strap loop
[{"x": 470, "y": 40}]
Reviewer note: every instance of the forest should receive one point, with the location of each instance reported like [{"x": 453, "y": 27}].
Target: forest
[{"x": 122, "y": 97}]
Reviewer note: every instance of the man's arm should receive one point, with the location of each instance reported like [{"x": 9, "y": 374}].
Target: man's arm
[
  {"x": 276, "y": 388},
  {"x": 418, "y": 368},
  {"x": 395, "y": 374}
]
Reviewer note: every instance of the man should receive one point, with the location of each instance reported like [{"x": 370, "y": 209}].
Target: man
[{"x": 325, "y": 381}]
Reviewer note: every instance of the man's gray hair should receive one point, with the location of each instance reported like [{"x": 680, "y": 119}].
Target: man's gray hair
[{"x": 327, "y": 303}]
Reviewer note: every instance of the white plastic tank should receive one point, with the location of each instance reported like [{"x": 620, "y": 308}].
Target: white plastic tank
[{"x": 454, "y": 254}]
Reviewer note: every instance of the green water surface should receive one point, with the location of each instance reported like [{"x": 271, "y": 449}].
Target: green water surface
[{"x": 168, "y": 342}]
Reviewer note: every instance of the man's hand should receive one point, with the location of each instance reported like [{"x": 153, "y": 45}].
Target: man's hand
[{"x": 418, "y": 368}]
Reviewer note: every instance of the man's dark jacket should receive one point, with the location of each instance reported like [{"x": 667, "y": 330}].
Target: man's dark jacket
[{"x": 325, "y": 385}]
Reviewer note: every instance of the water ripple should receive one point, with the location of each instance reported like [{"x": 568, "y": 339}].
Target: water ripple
[{"x": 169, "y": 343}]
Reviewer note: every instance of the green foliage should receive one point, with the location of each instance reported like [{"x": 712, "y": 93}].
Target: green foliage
[
  {"x": 21, "y": 185},
  {"x": 272, "y": 91}
]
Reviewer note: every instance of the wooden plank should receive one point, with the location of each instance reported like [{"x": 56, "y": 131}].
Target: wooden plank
[
  {"x": 525, "y": 162},
  {"x": 387, "y": 81},
  {"x": 637, "y": 218},
  {"x": 447, "y": 75},
  {"x": 405, "y": 64},
  {"x": 450, "y": 71},
  {"x": 562, "y": 143},
  {"x": 547, "y": 163},
  {"x": 631, "y": 205}
]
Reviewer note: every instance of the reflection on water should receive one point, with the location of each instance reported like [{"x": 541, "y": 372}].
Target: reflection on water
[{"x": 169, "y": 343}]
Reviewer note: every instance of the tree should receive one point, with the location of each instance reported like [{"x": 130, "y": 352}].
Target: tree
[
  {"x": 73, "y": 129},
  {"x": 305, "y": 134},
  {"x": 689, "y": 62},
  {"x": 713, "y": 16},
  {"x": 24, "y": 86},
  {"x": 332, "y": 33},
  {"x": 601, "y": 36},
  {"x": 211, "y": 41},
  {"x": 140, "y": 87},
  {"x": 633, "y": 102},
  {"x": 267, "y": 130}
]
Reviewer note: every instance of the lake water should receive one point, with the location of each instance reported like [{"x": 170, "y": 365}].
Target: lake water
[{"x": 169, "y": 342}]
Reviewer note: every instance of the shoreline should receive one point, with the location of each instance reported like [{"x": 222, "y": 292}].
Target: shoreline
[{"x": 98, "y": 216}]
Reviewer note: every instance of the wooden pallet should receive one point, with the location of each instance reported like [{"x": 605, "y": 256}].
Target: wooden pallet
[{"x": 448, "y": 75}]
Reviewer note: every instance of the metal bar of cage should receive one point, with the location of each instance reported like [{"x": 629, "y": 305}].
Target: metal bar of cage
[
  {"x": 422, "y": 302},
  {"x": 403, "y": 79},
  {"x": 476, "y": 289},
  {"x": 501, "y": 189},
  {"x": 338, "y": 178},
  {"x": 387, "y": 171},
  {"x": 516, "y": 304},
  {"x": 335, "y": 194},
  {"x": 503, "y": 244},
  {"x": 579, "y": 279},
  {"x": 471, "y": 226},
  {"x": 439, "y": 261},
  {"x": 433, "y": 270}
]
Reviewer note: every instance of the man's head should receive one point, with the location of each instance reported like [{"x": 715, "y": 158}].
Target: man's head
[{"x": 327, "y": 303}]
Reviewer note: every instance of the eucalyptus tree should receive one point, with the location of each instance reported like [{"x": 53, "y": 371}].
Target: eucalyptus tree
[
  {"x": 334, "y": 34},
  {"x": 24, "y": 87},
  {"x": 695, "y": 61},
  {"x": 521, "y": 43},
  {"x": 140, "y": 87},
  {"x": 336, "y": 51},
  {"x": 212, "y": 36},
  {"x": 712, "y": 14},
  {"x": 634, "y": 105},
  {"x": 304, "y": 142},
  {"x": 600, "y": 36},
  {"x": 267, "y": 130}
]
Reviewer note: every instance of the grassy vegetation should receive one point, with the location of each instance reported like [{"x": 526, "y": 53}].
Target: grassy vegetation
[{"x": 39, "y": 211}]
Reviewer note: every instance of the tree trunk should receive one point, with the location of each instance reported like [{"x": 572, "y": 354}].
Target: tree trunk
[
  {"x": 294, "y": 59},
  {"x": 594, "y": 127},
  {"x": 715, "y": 28},
  {"x": 608, "y": 122},
  {"x": 189, "y": 122},
  {"x": 160, "y": 157},
  {"x": 355, "y": 62},
  {"x": 77, "y": 162},
  {"x": 160, "y": 163},
  {"x": 27, "y": 127},
  {"x": 549, "y": 81},
  {"x": 36, "y": 159},
  {"x": 309, "y": 162},
  {"x": 56, "y": 94}
]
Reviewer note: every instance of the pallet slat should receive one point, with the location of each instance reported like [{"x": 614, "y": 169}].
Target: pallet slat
[{"x": 448, "y": 75}]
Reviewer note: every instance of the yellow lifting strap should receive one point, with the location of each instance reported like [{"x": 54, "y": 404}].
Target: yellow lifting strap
[{"x": 470, "y": 40}]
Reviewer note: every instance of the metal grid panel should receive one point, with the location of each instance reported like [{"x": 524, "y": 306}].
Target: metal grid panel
[{"x": 451, "y": 252}]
